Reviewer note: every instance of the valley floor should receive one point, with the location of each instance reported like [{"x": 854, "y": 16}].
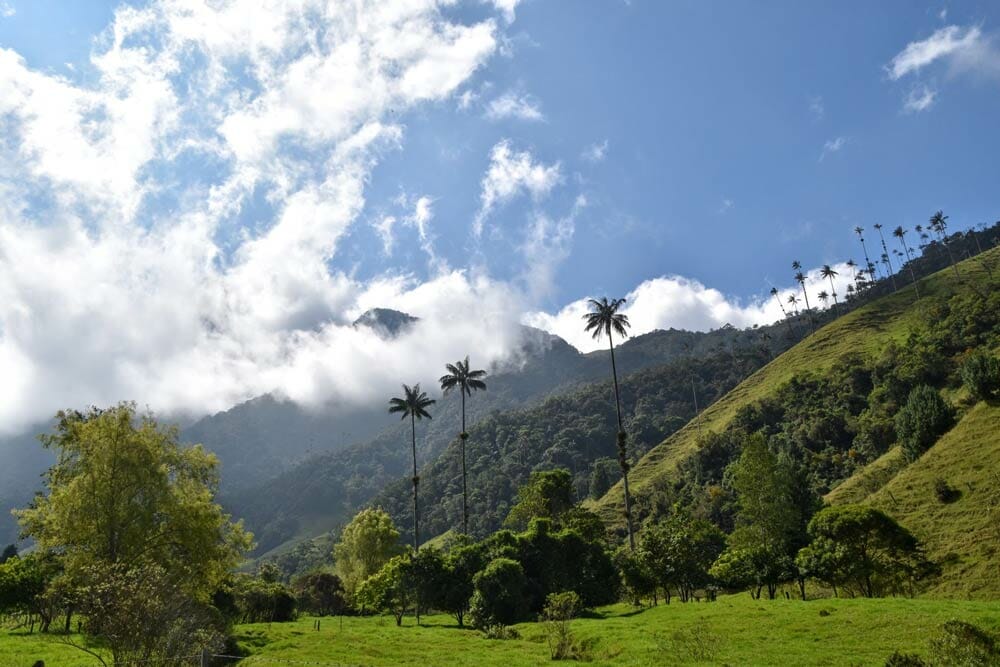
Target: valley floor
[{"x": 735, "y": 630}]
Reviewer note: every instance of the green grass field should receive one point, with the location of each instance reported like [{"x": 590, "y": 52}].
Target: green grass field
[{"x": 735, "y": 630}]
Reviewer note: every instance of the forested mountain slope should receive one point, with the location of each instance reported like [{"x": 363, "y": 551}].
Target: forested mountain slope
[{"x": 830, "y": 403}]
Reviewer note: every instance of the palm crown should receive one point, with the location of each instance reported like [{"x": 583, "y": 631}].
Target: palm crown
[
  {"x": 459, "y": 376},
  {"x": 605, "y": 318},
  {"x": 413, "y": 404}
]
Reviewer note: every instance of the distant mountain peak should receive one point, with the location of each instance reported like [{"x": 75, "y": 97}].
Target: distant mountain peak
[{"x": 385, "y": 322}]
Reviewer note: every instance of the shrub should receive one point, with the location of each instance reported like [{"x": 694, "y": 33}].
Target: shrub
[
  {"x": 981, "y": 375},
  {"x": 964, "y": 645},
  {"x": 499, "y": 594},
  {"x": 898, "y": 659},
  {"x": 922, "y": 421},
  {"x": 560, "y": 609},
  {"x": 945, "y": 492}
]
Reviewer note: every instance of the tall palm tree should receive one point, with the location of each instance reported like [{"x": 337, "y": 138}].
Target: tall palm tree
[
  {"x": 868, "y": 262},
  {"x": 605, "y": 320},
  {"x": 900, "y": 234},
  {"x": 774, "y": 293},
  {"x": 794, "y": 301},
  {"x": 800, "y": 278},
  {"x": 850, "y": 291},
  {"x": 885, "y": 255},
  {"x": 939, "y": 223},
  {"x": 888, "y": 270},
  {"x": 828, "y": 272},
  {"x": 466, "y": 381},
  {"x": 413, "y": 404}
]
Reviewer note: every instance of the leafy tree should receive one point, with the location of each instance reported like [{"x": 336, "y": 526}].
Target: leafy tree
[
  {"x": 460, "y": 377},
  {"x": 560, "y": 609},
  {"x": 863, "y": 550},
  {"x": 320, "y": 593},
  {"x": 604, "y": 319},
  {"x": 125, "y": 500},
  {"x": 461, "y": 565},
  {"x": 548, "y": 494},
  {"x": 602, "y": 477},
  {"x": 389, "y": 588},
  {"x": 427, "y": 576},
  {"x": 262, "y": 599},
  {"x": 924, "y": 418},
  {"x": 678, "y": 553},
  {"x": 981, "y": 375},
  {"x": 499, "y": 594},
  {"x": 366, "y": 544},
  {"x": 766, "y": 517},
  {"x": 636, "y": 579},
  {"x": 414, "y": 405},
  {"x": 23, "y": 582}
]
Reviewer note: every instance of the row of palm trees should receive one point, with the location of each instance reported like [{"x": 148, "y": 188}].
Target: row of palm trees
[
  {"x": 873, "y": 271},
  {"x": 603, "y": 319}
]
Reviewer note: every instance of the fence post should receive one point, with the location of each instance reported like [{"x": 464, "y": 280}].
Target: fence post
[{"x": 204, "y": 657}]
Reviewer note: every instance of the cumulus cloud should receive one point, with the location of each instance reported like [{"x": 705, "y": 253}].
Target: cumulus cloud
[
  {"x": 507, "y": 7},
  {"x": 514, "y": 105},
  {"x": 227, "y": 287},
  {"x": 678, "y": 302},
  {"x": 7, "y": 10},
  {"x": 511, "y": 173}
]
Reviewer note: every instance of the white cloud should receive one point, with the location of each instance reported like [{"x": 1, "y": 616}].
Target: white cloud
[
  {"x": 507, "y": 7},
  {"x": 832, "y": 146},
  {"x": 727, "y": 205},
  {"x": 7, "y": 10},
  {"x": 943, "y": 14},
  {"x": 678, "y": 302},
  {"x": 919, "y": 99},
  {"x": 943, "y": 43},
  {"x": 514, "y": 105},
  {"x": 546, "y": 245},
  {"x": 230, "y": 289},
  {"x": 511, "y": 173},
  {"x": 595, "y": 152}
]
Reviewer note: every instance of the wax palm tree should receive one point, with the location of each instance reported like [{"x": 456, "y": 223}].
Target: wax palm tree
[
  {"x": 885, "y": 255},
  {"x": 466, "y": 381},
  {"x": 823, "y": 296},
  {"x": 979, "y": 248},
  {"x": 801, "y": 279},
  {"x": 794, "y": 302},
  {"x": 605, "y": 320},
  {"x": 774, "y": 293},
  {"x": 850, "y": 292},
  {"x": 900, "y": 234},
  {"x": 939, "y": 223},
  {"x": 828, "y": 272},
  {"x": 413, "y": 404},
  {"x": 868, "y": 262}
]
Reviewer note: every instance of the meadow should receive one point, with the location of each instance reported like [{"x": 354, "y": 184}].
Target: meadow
[{"x": 734, "y": 630}]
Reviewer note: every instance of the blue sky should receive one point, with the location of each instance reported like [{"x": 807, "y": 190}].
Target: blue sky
[{"x": 519, "y": 155}]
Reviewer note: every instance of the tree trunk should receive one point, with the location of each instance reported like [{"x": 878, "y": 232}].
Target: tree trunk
[
  {"x": 622, "y": 452},
  {"x": 465, "y": 491},
  {"x": 416, "y": 521}
]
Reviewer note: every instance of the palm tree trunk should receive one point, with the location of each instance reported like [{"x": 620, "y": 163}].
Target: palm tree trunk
[
  {"x": 909, "y": 265},
  {"x": 833, "y": 291},
  {"x": 465, "y": 491},
  {"x": 416, "y": 521},
  {"x": 622, "y": 460}
]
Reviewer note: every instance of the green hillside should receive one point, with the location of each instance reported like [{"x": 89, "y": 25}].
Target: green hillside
[{"x": 959, "y": 313}]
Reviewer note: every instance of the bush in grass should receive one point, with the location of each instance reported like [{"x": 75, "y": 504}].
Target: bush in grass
[
  {"x": 560, "y": 609},
  {"x": 922, "y": 421},
  {"x": 499, "y": 594},
  {"x": 898, "y": 659},
  {"x": 945, "y": 492},
  {"x": 981, "y": 375},
  {"x": 964, "y": 645}
]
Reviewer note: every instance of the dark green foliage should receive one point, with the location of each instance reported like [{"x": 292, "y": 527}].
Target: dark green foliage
[
  {"x": 965, "y": 645},
  {"x": 461, "y": 565},
  {"x": 945, "y": 492},
  {"x": 924, "y": 418},
  {"x": 981, "y": 375},
  {"x": 8, "y": 552},
  {"x": 898, "y": 659},
  {"x": 678, "y": 552},
  {"x": 636, "y": 579},
  {"x": 499, "y": 594},
  {"x": 863, "y": 551},
  {"x": 560, "y": 609},
  {"x": 259, "y": 600},
  {"x": 320, "y": 594},
  {"x": 604, "y": 473},
  {"x": 547, "y": 495}
]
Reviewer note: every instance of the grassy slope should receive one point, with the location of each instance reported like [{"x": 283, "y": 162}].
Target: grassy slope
[
  {"x": 734, "y": 630},
  {"x": 968, "y": 453}
]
